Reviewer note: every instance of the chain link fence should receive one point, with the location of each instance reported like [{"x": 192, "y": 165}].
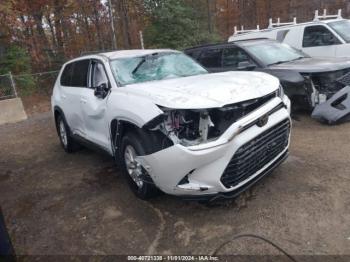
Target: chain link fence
[
  {"x": 7, "y": 88},
  {"x": 12, "y": 85}
]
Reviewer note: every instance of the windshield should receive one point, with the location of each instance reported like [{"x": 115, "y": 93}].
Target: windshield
[
  {"x": 153, "y": 67},
  {"x": 274, "y": 53},
  {"x": 342, "y": 28}
]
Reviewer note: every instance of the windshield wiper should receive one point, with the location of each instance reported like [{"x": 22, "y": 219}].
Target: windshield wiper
[
  {"x": 278, "y": 63},
  {"x": 139, "y": 65},
  {"x": 142, "y": 62},
  {"x": 299, "y": 58},
  {"x": 282, "y": 62}
]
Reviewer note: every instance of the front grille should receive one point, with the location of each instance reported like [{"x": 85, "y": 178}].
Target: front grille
[
  {"x": 256, "y": 154},
  {"x": 224, "y": 117},
  {"x": 251, "y": 105}
]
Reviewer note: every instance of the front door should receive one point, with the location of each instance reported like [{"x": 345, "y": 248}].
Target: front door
[
  {"x": 211, "y": 59},
  {"x": 95, "y": 107},
  {"x": 319, "y": 41},
  {"x": 236, "y": 59}
]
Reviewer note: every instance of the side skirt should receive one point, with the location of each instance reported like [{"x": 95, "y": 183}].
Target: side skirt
[{"x": 91, "y": 145}]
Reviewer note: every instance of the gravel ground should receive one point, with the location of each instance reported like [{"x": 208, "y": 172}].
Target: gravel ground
[{"x": 55, "y": 203}]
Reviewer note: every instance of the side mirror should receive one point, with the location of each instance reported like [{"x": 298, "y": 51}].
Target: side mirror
[
  {"x": 246, "y": 65},
  {"x": 101, "y": 91}
]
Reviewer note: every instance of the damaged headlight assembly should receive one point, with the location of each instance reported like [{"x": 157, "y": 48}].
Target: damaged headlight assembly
[
  {"x": 191, "y": 127},
  {"x": 185, "y": 127}
]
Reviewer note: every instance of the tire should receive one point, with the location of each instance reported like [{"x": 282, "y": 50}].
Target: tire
[
  {"x": 68, "y": 143},
  {"x": 141, "y": 184}
]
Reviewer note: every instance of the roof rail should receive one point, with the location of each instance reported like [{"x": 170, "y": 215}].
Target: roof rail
[
  {"x": 272, "y": 24},
  {"x": 242, "y": 31},
  {"x": 325, "y": 16},
  {"x": 84, "y": 53}
]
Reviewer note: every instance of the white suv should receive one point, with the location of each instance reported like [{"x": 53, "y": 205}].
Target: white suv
[{"x": 170, "y": 125}]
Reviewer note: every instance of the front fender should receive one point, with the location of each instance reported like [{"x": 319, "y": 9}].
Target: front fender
[
  {"x": 131, "y": 108},
  {"x": 293, "y": 82},
  {"x": 289, "y": 76}
]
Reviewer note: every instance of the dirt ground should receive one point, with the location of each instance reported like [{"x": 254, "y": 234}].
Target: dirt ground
[
  {"x": 36, "y": 103},
  {"x": 55, "y": 203}
]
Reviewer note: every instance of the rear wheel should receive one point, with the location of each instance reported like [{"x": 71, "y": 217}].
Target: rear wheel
[
  {"x": 67, "y": 142},
  {"x": 139, "y": 180}
]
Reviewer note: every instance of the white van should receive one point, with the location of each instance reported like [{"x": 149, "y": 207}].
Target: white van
[{"x": 325, "y": 36}]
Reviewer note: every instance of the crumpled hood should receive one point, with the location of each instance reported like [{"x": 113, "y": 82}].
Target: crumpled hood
[
  {"x": 205, "y": 91},
  {"x": 315, "y": 65}
]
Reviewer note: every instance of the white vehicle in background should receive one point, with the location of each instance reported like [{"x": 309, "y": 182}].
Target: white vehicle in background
[
  {"x": 325, "y": 36},
  {"x": 172, "y": 126}
]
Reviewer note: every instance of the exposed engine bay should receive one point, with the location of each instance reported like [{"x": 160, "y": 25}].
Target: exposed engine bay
[
  {"x": 329, "y": 95},
  {"x": 326, "y": 84},
  {"x": 193, "y": 127},
  {"x": 329, "y": 83}
]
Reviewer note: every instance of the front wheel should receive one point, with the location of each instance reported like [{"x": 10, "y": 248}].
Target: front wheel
[
  {"x": 139, "y": 180},
  {"x": 67, "y": 142}
]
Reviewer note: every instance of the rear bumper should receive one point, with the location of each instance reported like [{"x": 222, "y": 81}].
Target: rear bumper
[{"x": 197, "y": 171}]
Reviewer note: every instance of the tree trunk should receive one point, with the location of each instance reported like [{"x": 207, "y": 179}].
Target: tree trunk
[
  {"x": 52, "y": 31},
  {"x": 98, "y": 29},
  {"x": 209, "y": 17},
  {"x": 38, "y": 18},
  {"x": 58, "y": 26},
  {"x": 123, "y": 11}
]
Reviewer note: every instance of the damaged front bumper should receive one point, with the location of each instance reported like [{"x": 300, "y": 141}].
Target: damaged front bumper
[
  {"x": 335, "y": 110},
  {"x": 242, "y": 155}
]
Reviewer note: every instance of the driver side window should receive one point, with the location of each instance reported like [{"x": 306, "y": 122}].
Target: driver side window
[
  {"x": 232, "y": 57},
  {"x": 98, "y": 74},
  {"x": 319, "y": 36}
]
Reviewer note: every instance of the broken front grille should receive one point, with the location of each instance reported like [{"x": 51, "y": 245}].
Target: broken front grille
[
  {"x": 224, "y": 117},
  {"x": 345, "y": 80},
  {"x": 256, "y": 154},
  {"x": 329, "y": 83}
]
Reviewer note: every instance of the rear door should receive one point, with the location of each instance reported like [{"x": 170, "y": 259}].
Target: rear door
[
  {"x": 73, "y": 82},
  {"x": 319, "y": 41},
  {"x": 94, "y": 107}
]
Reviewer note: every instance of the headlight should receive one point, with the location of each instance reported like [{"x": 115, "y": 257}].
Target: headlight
[{"x": 280, "y": 92}]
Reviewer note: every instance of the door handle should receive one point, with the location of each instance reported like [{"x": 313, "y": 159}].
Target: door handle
[{"x": 83, "y": 100}]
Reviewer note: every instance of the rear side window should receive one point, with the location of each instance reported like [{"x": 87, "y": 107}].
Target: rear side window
[
  {"x": 80, "y": 73},
  {"x": 67, "y": 75},
  {"x": 319, "y": 36},
  {"x": 75, "y": 74},
  {"x": 211, "y": 58}
]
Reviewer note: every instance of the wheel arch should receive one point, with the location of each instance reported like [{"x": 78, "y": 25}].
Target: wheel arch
[
  {"x": 58, "y": 112},
  {"x": 154, "y": 141},
  {"x": 118, "y": 128}
]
